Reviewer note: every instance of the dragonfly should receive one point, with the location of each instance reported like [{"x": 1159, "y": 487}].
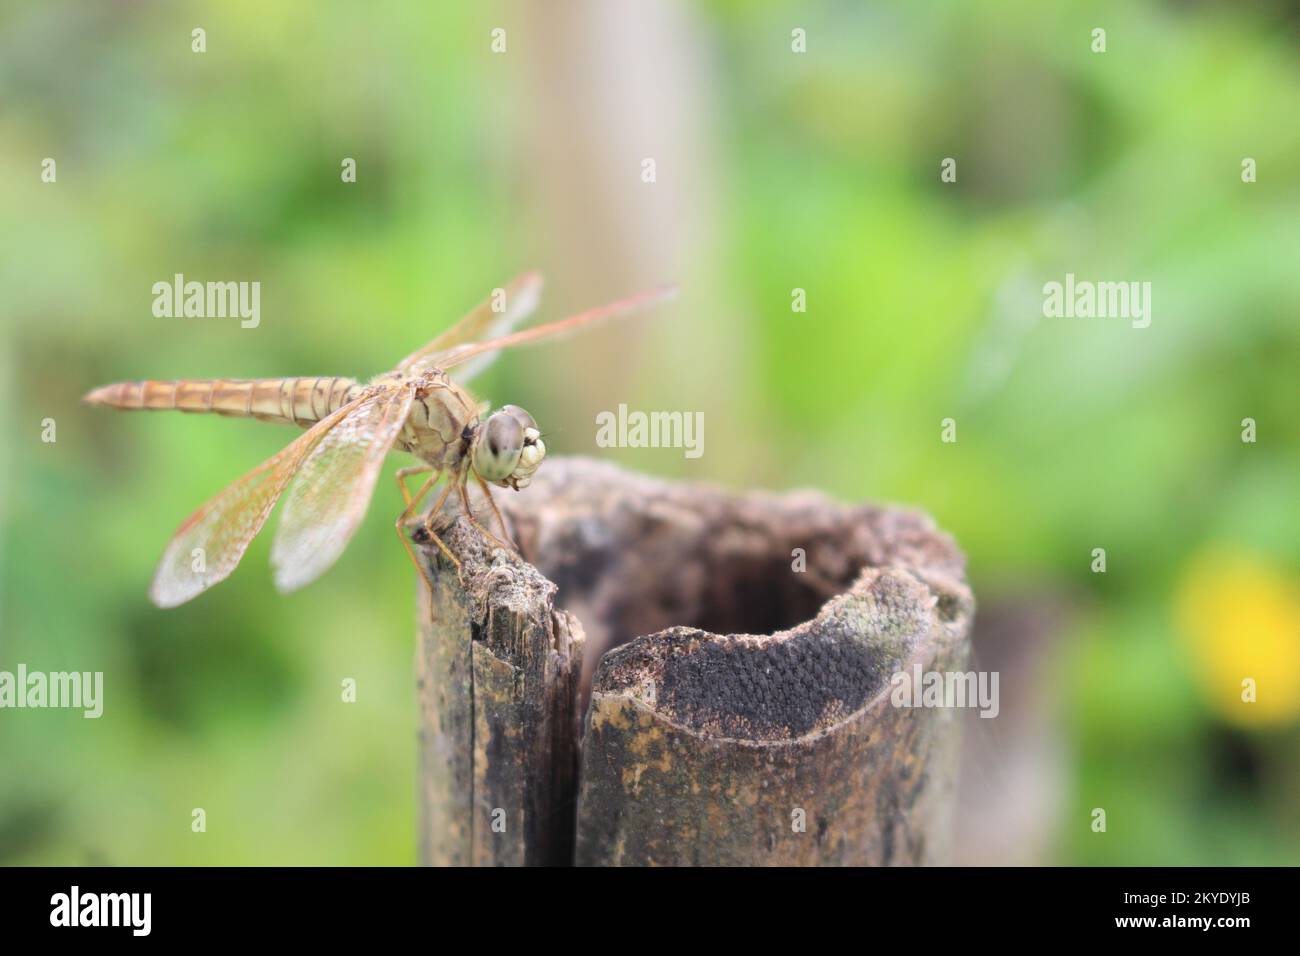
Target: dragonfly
[{"x": 327, "y": 476}]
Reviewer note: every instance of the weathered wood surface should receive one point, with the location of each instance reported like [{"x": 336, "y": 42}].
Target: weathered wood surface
[
  {"x": 742, "y": 712},
  {"x": 498, "y": 671}
]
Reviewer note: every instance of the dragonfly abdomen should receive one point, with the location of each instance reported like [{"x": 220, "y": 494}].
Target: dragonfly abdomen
[{"x": 295, "y": 401}]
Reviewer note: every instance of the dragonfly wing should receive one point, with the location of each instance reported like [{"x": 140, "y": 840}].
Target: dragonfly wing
[
  {"x": 462, "y": 355},
  {"x": 329, "y": 496},
  {"x": 208, "y": 546},
  {"x": 493, "y": 317}
]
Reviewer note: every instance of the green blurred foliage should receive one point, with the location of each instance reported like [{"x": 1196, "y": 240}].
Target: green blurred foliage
[{"x": 924, "y": 302}]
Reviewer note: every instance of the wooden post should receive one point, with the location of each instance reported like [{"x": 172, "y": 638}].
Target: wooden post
[
  {"x": 742, "y": 714},
  {"x": 498, "y": 674}
]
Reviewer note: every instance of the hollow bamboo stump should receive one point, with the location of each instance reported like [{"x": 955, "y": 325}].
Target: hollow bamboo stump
[{"x": 683, "y": 675}]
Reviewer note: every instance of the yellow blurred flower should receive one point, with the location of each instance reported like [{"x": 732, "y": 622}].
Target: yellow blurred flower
[{"x": 1239, "y": 621}]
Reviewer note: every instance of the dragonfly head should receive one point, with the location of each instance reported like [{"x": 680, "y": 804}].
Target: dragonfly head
[{"x": 507, "y": 448}]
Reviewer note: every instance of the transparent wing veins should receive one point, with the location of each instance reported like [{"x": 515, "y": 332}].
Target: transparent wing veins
[
  {"x": 210, "y": 543},
  {"x": 332, "y": 489},
  {"x": 463, "y": 354},
  {"x": 491, "y": 318}
]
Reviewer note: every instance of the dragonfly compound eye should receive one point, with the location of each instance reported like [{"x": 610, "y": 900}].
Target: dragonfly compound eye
[
  {"x": 532, "y": 453},
  {"x": 519, "y": 415},
  {"x": 499, "y": 446}
]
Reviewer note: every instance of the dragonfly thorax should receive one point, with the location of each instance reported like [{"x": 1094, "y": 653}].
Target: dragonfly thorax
[{"x": 439, "y": 417}]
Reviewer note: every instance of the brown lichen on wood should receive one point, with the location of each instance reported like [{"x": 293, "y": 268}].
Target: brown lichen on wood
[{"x": 742, "y": 713}]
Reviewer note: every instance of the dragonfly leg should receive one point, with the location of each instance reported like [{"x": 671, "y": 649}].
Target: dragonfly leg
[
  {"x": 404, "y": 473},
  {"x": 487, "y": 493},
  {"x": 428, "y": 525},
  {"x": 413, "y": 502},
  {"x": 464, "y": 500}
]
